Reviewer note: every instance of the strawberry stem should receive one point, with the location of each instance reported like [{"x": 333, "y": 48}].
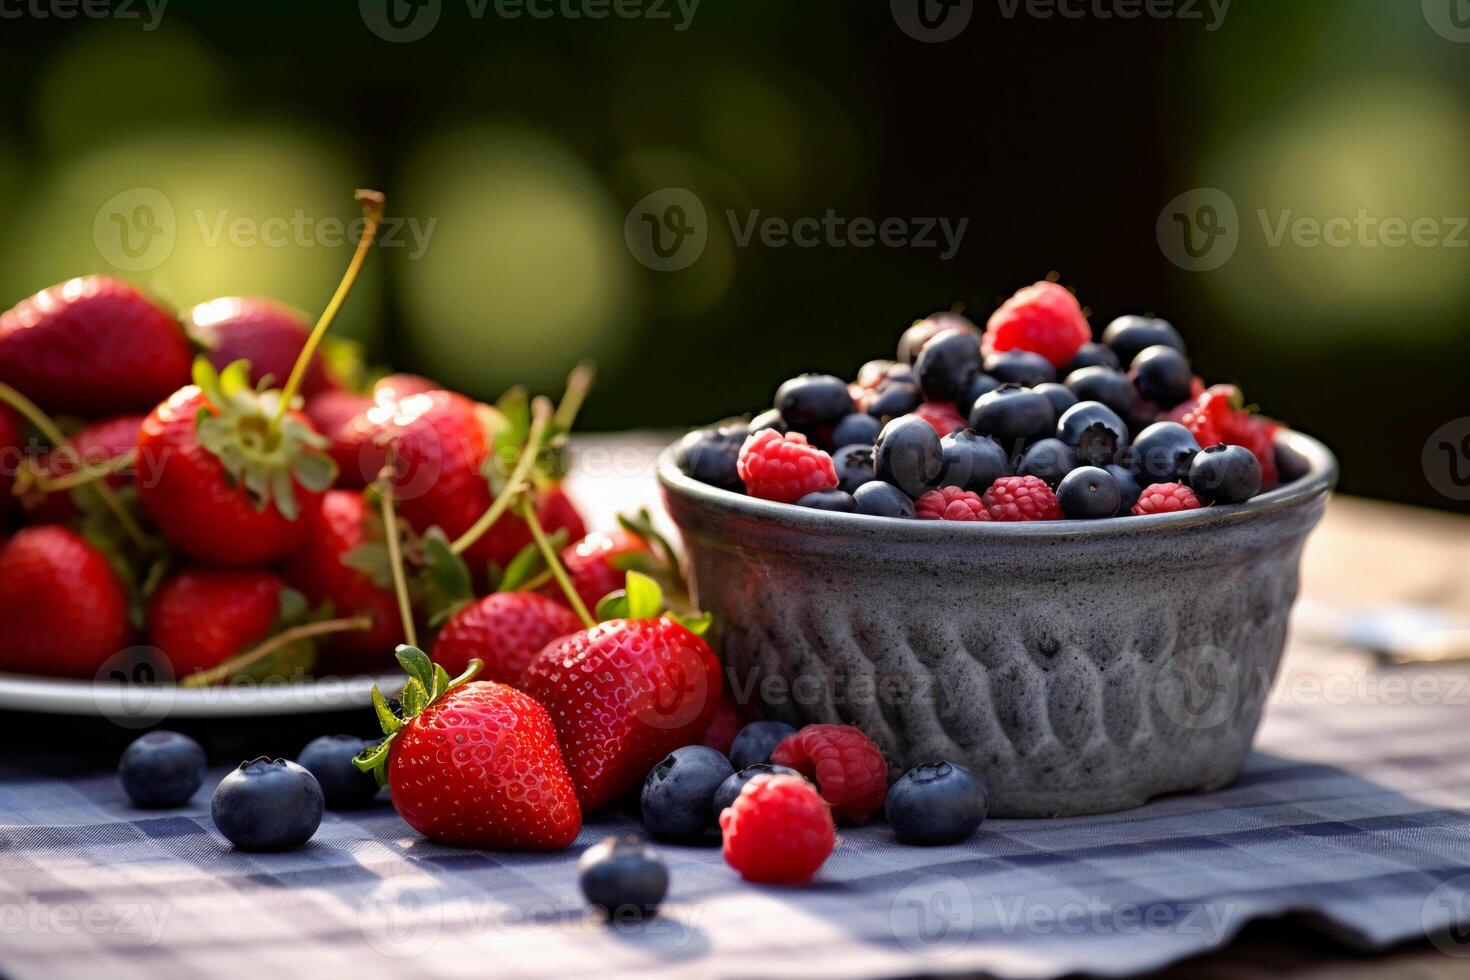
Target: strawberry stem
[
  {"x": 57, "y": 438},
  {"x": 44, "y": 483},
  {"x": 211, "y": 677},
  {"x": 395, "y": 561},
  {"x": 541, "y": 417},
  {"x": 553, "y": 562},
  {"x": 579, "y": 382},
  {"x": 372, "y": 211}
]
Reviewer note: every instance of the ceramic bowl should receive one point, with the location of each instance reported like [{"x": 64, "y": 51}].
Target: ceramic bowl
[{"x": 1080, "y": 666}]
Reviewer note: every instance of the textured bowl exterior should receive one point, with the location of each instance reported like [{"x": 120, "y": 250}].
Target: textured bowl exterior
[{"x": 1081, "y": 667}]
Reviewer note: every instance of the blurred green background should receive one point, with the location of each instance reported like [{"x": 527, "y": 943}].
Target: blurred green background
[{"x": 512, "y": 149}]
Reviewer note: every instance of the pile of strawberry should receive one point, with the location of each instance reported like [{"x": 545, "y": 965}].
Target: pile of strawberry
[
  {"x": 1029, "y": 419},
  {"x": 218, "y": 487}
]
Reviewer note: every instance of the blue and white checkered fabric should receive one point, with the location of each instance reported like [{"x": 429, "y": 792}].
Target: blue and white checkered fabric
[{"x": 1354, "y": 813}]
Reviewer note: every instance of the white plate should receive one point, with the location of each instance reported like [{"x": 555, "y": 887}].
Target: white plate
[{"x": 132, "y": 705}]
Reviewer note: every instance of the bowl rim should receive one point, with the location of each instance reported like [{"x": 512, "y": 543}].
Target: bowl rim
[{"x": 1320, "y": 478}]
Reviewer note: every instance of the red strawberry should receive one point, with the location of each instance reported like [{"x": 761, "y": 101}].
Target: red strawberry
[
  {"x": 202, "y": 616},
  {"x": 1044, "y": 318},
  {"x": 344, "y": 419},
  {"x": 93, "y": 346},
  {"x": 65, "y": 611},
  {"x": 625, "y": 693},
  {"x": 242, "y": 513},
  {"x": 12, "y": 451},
  {"x": 592, "y": 563},
  {"x": 396, "y": 387},
  {"x": 321, "y": 571},
  {"x": 473, "y": 764},
  {"x": 94, "y": 445},
  {"x": 505, "y": 630},
  {"x": 556, "y": 512},
  {"x": 267, "y": 334}
]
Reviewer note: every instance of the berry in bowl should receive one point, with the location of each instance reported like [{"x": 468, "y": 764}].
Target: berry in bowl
[{"x": 1066, "y": 564}]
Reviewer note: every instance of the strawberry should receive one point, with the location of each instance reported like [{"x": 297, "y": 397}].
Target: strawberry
[
  {"x": 505, "y": 630},
  {"x": 342, "y": 418},
  {"x": 396, "y": 387},
  {"x": 221, "y": 489},
  {"x": 322, "y": 571},
  {"x": 202, "y": 616},
  {"x": 93, "y": 346},
  {"x": 626, "y": 692},
  {"x": 472, "y": 764},
  {"x": 96, "y": 444},
  {"x": 267, "y": 334},
  {"x": 12, "y": 451},
  {"x": 592, "y": 563},
  {"x": 64, "y": 608},
  {"x": 557, "y": 513}
]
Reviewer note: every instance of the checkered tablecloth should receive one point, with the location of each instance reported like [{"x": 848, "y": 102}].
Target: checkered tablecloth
[{"x": 1354, "y": 814}]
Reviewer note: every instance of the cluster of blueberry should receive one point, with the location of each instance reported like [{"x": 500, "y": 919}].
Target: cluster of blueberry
[{"x": 975, "y": 426}]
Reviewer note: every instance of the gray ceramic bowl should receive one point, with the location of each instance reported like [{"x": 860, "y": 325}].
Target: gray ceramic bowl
[{"x": 1081, "y": 667}]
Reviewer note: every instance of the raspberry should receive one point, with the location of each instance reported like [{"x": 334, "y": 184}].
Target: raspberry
[
  {"x": 943, "y": 416},
  {"x": 784, "y": 467},
  {"x": 849, "y": 770},
  {"x": 1165, "y": 498},
  {"x": 1021, "y": 498},
  {"x": 1217, "y": 415},
  {"x": 778, "y": 831},
  {"x": 951, "y": 504},
  {"x": 1043, "y": 318}
]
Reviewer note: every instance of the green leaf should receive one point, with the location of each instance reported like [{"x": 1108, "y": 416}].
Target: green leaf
[
  {"x": 645, "y": 598},
  {"x": 314, "y": 471},
  {"x": 414, "y": 697},
  {"x": 372, "y": 758},
  {"x": 441, "y": 683},
  {"x": 448, "y": 573},
  {"x": 698, "y": 625},
  {"x": 293, "y": 606},
  {"x": 416, "y": 664},
  {"x": 234, "y": 381},
  {"x": 389, "y": 722},
  {"x": 371, "y": 558},
  {"x": 614, "y": 605},
  {"x": 528, "y": 563},
  {"x": 206, "y": 378}
]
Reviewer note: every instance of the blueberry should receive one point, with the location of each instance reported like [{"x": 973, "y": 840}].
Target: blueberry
[
  {"x": 679, "y": 792},
  {"x": 947, "y": 365},
  {"x": 879, "y": 499},
  {"x": 161, "y": 769},
  {"x": 837, "y": 501},
  {"x": 1013, "y": 415},
  {"x": 972, "y": 461},
  {"x": 1088, "y": 493},
  {"x": 756, "y": 741},
  {"x": 1128, "y": 335},
  {"x": 329, "y": 759},
  {"x": 1093, "y": 355},
  {"x": 1100, "y": 384},
  {"x": 267, "y": 805},
  {"x": 769, "y": 419},
  {"x": 908, "y": 455},
  {"x": 1020, "y": 367},
  {"x": 709, "y": 455},
  {"x": 917, "y": 336},
  {"x": 623, "y": 878},
  {"x": 854, "y": 465},
  {"x": 731, "y": 787},
  {"x": 1223, "y": 474},
  {"x": 1060, "y": 396},
  {"x": 857, "y": 429},
  {"x": 1162, "y": 375},
  {"x": 813, "y": 401},
  {"x": 1128, "y": 489},
  {"x": 1048, "y": 460},
  {"x": 895, "y": 399},
  {"x": 1095, "y": 431},
  {"x": 937, "y": 803},
  {"x": 1163, "y": 452},
  {"x": 983, "y": 384}
]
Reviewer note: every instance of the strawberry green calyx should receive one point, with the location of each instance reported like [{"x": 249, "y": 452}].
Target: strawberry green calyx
[
  {"x": 268, "y": 462},
  {"x": 660, "y": 562},
  {"x": 642, "y": 598},
  {"x": 427, "y": 684}
]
